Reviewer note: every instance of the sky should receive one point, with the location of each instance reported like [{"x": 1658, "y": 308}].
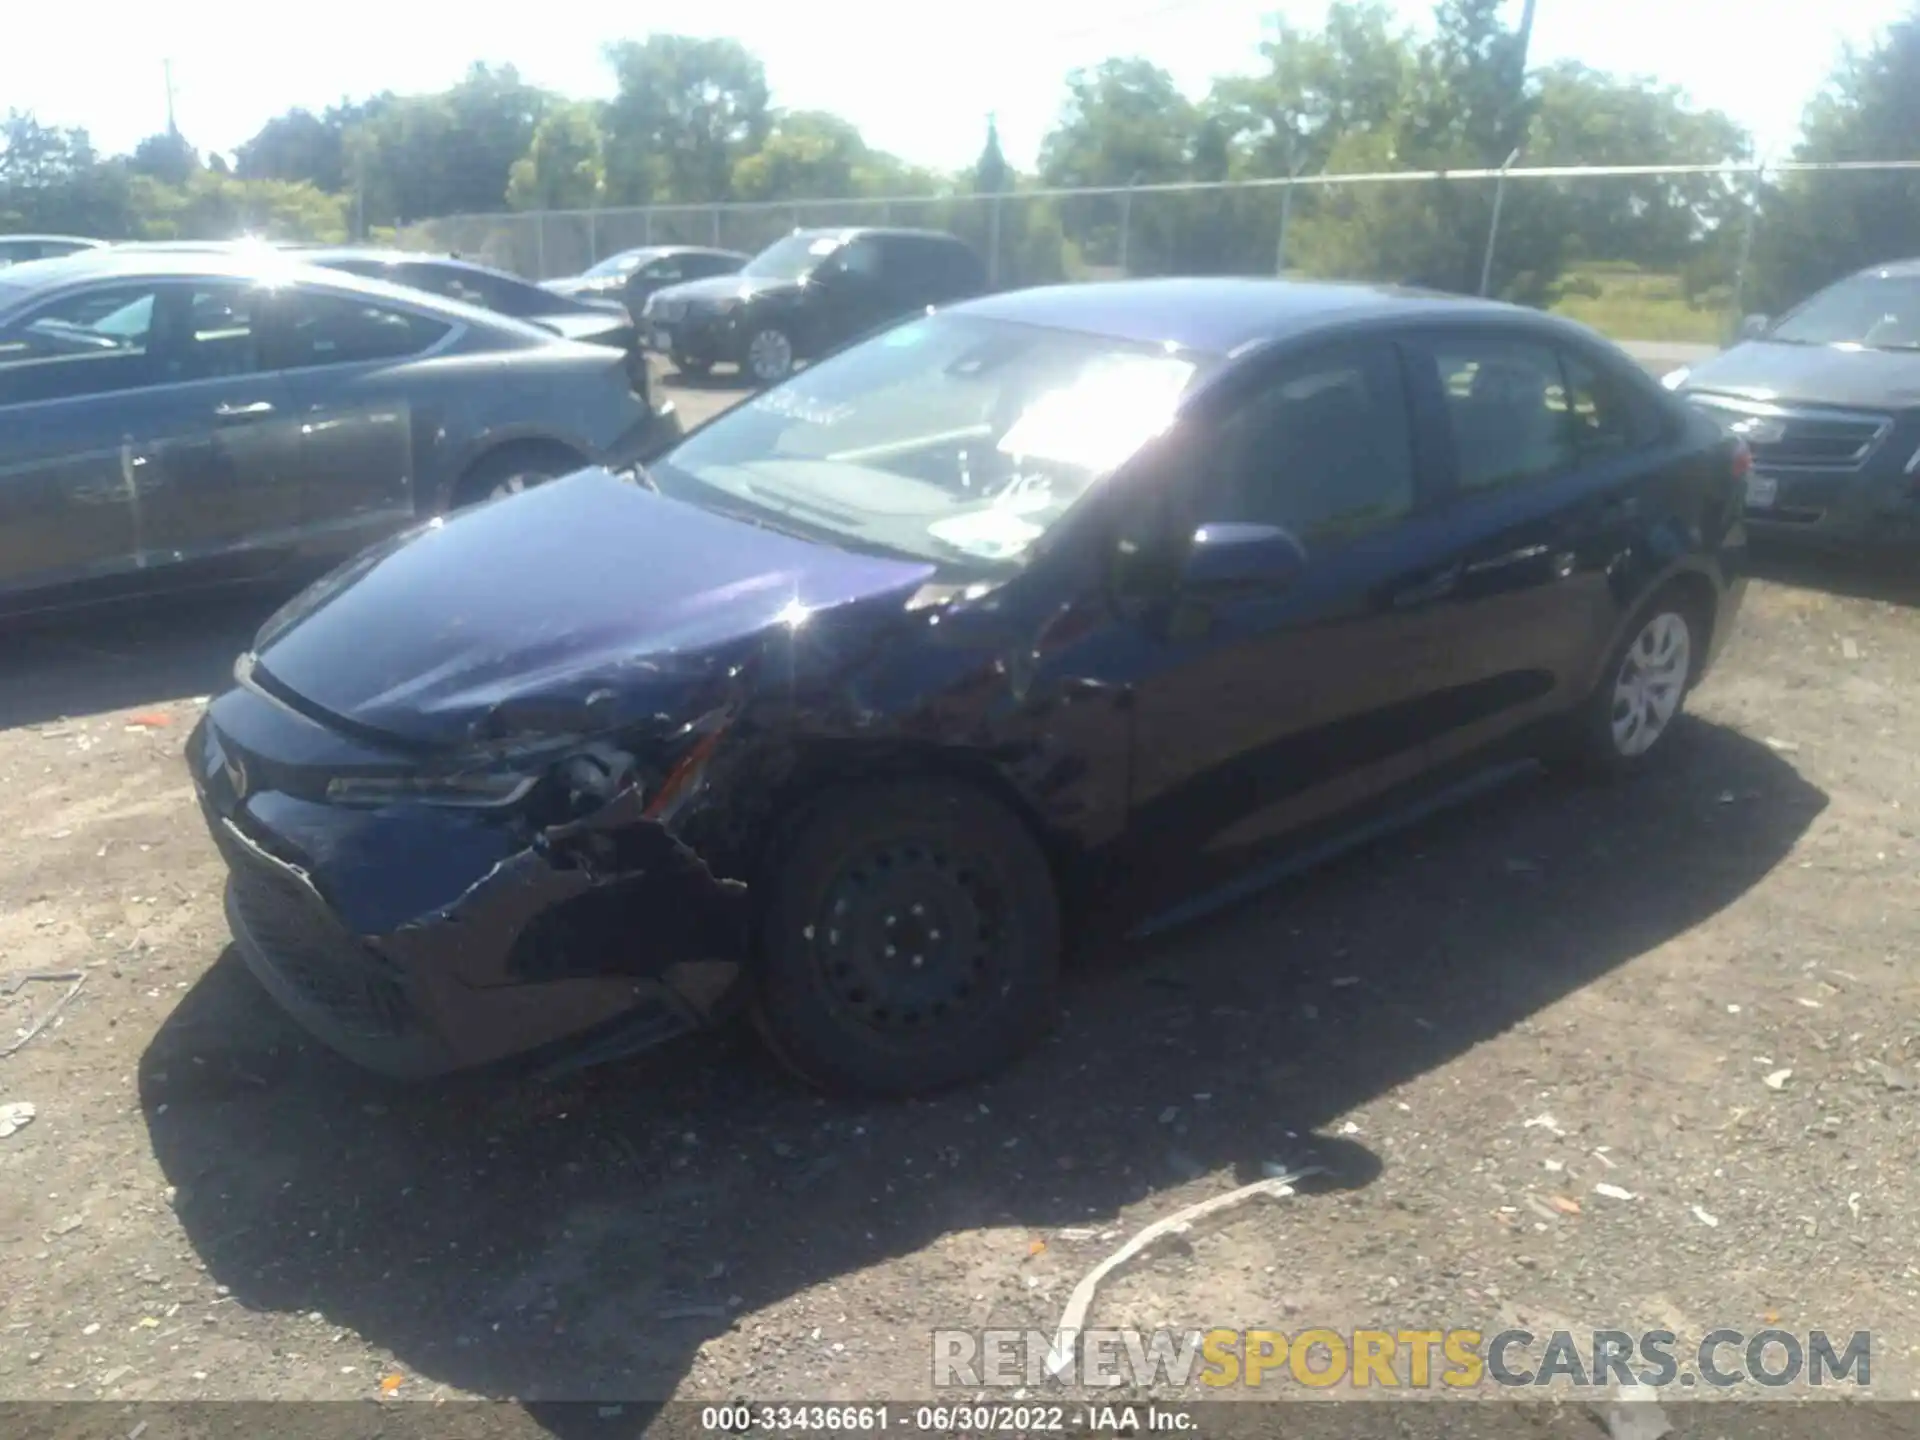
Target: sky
[{"x": 919, "y": 80}]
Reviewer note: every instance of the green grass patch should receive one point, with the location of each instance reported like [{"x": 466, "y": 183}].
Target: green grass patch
[{"x": 1626, "y": 304}]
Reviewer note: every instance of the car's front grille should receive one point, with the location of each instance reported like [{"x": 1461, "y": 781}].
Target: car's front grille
[
  {"x": 311, "y": 951},
  {"x": 1793, "y": 438}
]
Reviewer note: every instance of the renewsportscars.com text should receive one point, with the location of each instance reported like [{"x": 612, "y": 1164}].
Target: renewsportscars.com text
[{"x": 1455, "y": 1359}]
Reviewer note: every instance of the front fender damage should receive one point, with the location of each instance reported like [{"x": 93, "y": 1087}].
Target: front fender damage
[{"x": 611, "y": 895}]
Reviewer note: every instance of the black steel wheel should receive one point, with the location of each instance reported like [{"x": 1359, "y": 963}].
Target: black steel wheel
[{"x": 912, "y": 941}]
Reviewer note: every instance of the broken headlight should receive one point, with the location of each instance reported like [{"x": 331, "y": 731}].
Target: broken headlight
[{"x": 478, "y": 790}]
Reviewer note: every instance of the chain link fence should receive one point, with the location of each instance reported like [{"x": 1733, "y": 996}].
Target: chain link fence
[{"x": 1671, "y": 253}]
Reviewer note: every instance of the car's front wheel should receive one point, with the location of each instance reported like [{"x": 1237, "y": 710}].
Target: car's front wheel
[
  {"x": 696, "y": 369},
  {"x": 1644, "y": 686},
  {"x": 511, "y": 470},
  {"x": 911, "y": 941},
  {"x": 769, "y": 355}
]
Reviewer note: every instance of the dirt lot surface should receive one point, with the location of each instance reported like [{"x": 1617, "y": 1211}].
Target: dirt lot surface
[{"x": 1699, "y": 988}]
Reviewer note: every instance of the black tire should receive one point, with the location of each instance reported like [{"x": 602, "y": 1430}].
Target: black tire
[
  {"x": 510, "y": 468},
  {"x": 769, "y": 355},
  {"x": 839, "y": 1003},
  {"x": 1596, "y": 746},
  {"x": 697, "y": 369}
]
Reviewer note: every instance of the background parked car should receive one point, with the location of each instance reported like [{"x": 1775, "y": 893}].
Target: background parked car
[
  {"x": 632, "y": 275},
  {"x": 805, "y": 294},
  {"x": 1828, "y": 399},
  {"x": 595, "y": 320},
  {"x": 172, "y": 419},
  {"x": 1225, "y": 573},
  {"x": 598, "y": 320},
  {"x": 17, "y": 249}
]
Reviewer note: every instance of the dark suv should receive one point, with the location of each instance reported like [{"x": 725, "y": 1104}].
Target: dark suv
[
  {"x": 1828, "y": 399},
  {"x": 805, "y": 294}
]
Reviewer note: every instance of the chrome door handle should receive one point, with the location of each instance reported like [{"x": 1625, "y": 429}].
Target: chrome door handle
[{"x": 254, "y": 411}]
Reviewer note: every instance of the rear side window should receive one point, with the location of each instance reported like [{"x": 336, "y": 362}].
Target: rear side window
[
  {"x": 95, "y": 342},
  {"x": 1608, "y": 418},
  {"x": 1506, "y": 404},
  {"x": 314, "y": 328},
  {"x": 1324, "y": 451}
]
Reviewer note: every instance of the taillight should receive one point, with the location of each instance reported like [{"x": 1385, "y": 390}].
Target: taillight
[{"x": 1742, "y": 459}]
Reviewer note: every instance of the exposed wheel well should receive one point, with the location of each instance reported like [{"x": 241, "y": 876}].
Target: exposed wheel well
[{"x": 491, "y": 465}]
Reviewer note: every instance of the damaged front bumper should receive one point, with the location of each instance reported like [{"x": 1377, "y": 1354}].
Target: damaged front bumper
[{"x": 418, "y": 940}]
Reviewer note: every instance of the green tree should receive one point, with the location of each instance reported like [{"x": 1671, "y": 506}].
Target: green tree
[
  {"x": 166, "y": 157},
  {"x": 303, "y": 146},
  {"x": 1125, "y": 123},
  {"x": 808, "y": 155},
  {"x": 1815, "y": 228},
  {"x": 991, "y": 173},
  {"x": 52, "y": 179},
  {"x": 685, "y": 113},
  {"x": 565, "y": 167}
]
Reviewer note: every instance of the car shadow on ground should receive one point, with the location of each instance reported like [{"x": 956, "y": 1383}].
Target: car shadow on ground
[
  {"x": 132, "y": 654},
  {"x": 1863, "y": 575},
  {"x": 580, "y": 1239}
]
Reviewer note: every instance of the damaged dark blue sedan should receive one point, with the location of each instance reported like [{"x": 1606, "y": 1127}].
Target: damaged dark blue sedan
[{"x": 852, "y": 705}]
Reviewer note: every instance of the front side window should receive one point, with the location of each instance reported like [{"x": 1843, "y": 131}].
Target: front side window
[
  {"x": 1324, "y": 452},
  {"x": 311, "y": 327},
  {"x": 953, "y": 438},
  {"x": 94, "y": 342},
  {"x": 1603, "y": 415},
  {"x": 216, "y": 334},
  {"x": 1506, "y": 406},
  {"x": 665, "y": 271}
]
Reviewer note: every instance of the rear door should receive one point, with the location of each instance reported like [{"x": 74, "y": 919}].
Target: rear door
[
  {"x": 1544, "y": 459},
  {"x": 1263, "y": 714},
  {"x": 219, "y": 482},
  {"x": 347, "y": 364}
]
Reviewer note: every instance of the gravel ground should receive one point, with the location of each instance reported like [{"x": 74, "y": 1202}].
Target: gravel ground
[{"x": 1697, "y": 988}]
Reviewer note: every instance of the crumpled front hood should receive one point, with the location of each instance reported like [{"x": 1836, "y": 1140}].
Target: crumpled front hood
[
  {"x": 589, "y": 588},
  {"x": 723, "y": 287},
  {"x": 1812, "y": 375}
]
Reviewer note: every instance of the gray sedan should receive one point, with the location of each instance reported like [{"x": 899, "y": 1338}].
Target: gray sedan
[{"x": 176, "y": 420}]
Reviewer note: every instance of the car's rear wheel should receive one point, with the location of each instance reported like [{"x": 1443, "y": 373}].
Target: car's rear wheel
[
  {"x": 512, "y": 469},
  {"x": 911, "y": 941},
  {"x": 769, "y": 355},
  {"x": 1644, "y": 686}
]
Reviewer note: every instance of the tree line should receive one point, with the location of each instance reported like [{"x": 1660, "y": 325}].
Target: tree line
[{"x": 692, "y": 122}]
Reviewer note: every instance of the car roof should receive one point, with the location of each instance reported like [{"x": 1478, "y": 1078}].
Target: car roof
[
  {"x": 1891, "y": 270},
  {"x": 252, "y": 263},
  {"x": 61, "y": 239},
  {"x": 322, "y": 255},
  {"x": 845, "y": 233},
  {"x": 657, "y": 251},
  {"x": 1223, "y": 316}
]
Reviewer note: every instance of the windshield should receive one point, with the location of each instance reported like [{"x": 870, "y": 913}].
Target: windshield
[
  {"x": 1880, "y": 312},
  {"x": 952, "y": 438},
  {"x": 615, "y": 265},
  {"x": 792, "y": 257}
]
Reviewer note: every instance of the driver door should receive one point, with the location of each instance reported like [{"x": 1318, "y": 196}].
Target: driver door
[{"x": 1264, "y": 712}]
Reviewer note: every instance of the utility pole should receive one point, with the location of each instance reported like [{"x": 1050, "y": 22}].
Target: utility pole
[{"x": 166, "y": 71}]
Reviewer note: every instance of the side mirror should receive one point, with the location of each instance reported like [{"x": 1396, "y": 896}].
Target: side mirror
[
  {"x": 1754, "y": 326},
  {"x": 1235, "y": 556}
]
